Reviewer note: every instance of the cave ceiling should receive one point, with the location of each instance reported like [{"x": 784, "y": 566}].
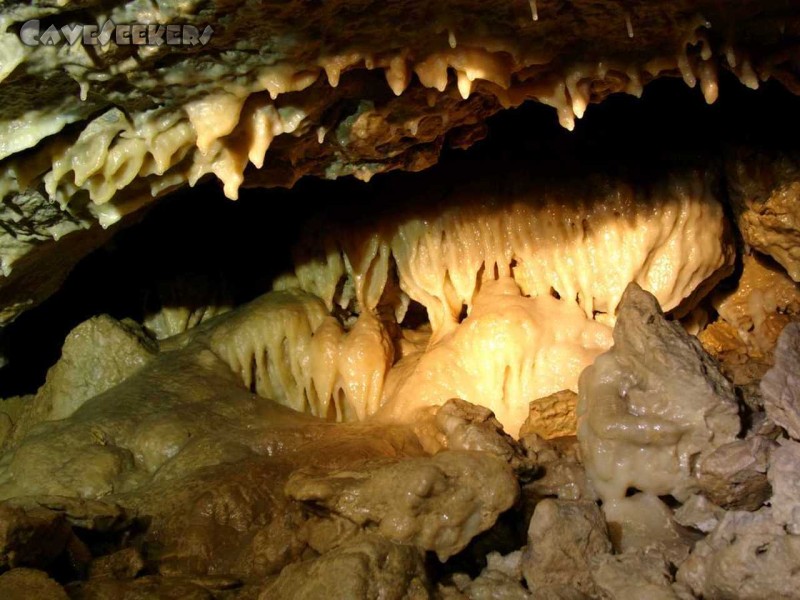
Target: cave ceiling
[{"x": 91, "y": 133}]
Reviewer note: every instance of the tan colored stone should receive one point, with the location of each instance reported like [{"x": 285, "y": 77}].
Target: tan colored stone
[
  {"x": 633, "y": 576},
  {"x": 501, "y": 579},
  {"x": 97, "y": 355},
  {"x": 562, "y": 538},
  {"x": 641, "y": 522},
  {"x": 124, "y": 564},
  {"x": 748, "y": 556},
  {"x": 552, "y": 416},
  {"x": 764, "y": 298},
  {"x": 764, "y": 189},
  {"x": 467, "y": 426},
  {"x": 438, "y": 503},
  {"x": 368, "y": 567}
]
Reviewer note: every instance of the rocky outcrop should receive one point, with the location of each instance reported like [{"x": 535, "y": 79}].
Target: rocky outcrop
[
  {"x": 765, "y": 194},
  {"x": 436, "y": 504},
  {"x": 652, "y": 407}
]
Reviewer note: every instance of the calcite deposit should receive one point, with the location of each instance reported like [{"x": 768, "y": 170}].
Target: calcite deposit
[
  {"x": 554, "y": 370},
  {"x": 652, "y": 407},
  {"x": 281, "y": 91}
]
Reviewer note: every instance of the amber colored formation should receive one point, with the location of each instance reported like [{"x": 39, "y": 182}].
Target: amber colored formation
[
  {"x": 282, "y": 91},
  {"x": 511, "y": 381}
]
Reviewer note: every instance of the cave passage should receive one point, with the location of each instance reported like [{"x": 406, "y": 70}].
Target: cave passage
[{"x": 198, "y": 239}]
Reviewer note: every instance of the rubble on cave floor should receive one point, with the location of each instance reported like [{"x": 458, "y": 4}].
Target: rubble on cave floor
[{"x": 304, "y": 509}]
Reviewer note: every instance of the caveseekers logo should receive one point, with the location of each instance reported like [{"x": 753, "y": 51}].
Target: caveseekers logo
[{"x": 134, "y": 34}]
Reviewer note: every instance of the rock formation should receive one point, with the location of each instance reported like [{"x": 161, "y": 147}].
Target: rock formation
[{"x": 549, "y": 374}]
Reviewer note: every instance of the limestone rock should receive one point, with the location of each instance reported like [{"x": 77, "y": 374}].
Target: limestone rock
[
  {"x": 742, "y": 364},
  {"x": 748, "y": 556},
  {"x": 652, "y": 405},
  {"x": 780, "y": 387},
  {"x": 643, "y": 522},
  {"x": 501, "y": 579},
  {"x": 783, "y": 468},
  {"x": 562, "y": 538},
  {"x": 734, "y": 476},
  {"x": 552, "y": 416},
  {"x": 559, "y": 473},
  {"x": 467, "y": 426},
  {"x": 764, "y": 301},
  {"x": 91, "y": 515},
  {"x": 753, "y": 555},
  {"x": 699, "y": 513},
  {"x": 97, "y": 355},
  {"x": 633, "y": 575},
  {"x": 143, "y": 588},
  {"x": 764, "y": 190},
  {"x": 183, "y": 446},
  {"x": 491, "y": 586},
  {"x": 123, "y": 564},
  {"x": 438, "y": 503},
  {"x": 33, "y": 538},
  {"x": 369, "y": 567}
]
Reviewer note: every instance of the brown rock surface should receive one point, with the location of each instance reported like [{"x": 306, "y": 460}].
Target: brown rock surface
[
  {"x": 765, "y": 193},
  {"x": 643, "y": 522},
  {"x": 29, "y": 584},
  {"x": 31, "y": 538},
  {"x": 734, "y": 476},
  {"x": 438, "y": 503},
  {"x": 563, "y": 536},
  {"x": 468, "y": 426},
  {"x": 368, "y": 567},
  {"x": 552, "y": 416},
  {"x": 633, "y": 575}
]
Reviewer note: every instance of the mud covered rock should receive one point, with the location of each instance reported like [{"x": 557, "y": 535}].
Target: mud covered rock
[
  {"x": 438, "y": 503},
  {"x": 369, "y": 567}
]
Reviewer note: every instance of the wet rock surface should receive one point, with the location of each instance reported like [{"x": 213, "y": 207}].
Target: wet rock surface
[
  {"x": 153, "y": 463},
  {"x": 436, "y": 504},
  {"x": 226, "y": 495}
]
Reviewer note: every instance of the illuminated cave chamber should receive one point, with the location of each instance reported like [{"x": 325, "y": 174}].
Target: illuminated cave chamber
[{"x": 494, "y": 277}]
